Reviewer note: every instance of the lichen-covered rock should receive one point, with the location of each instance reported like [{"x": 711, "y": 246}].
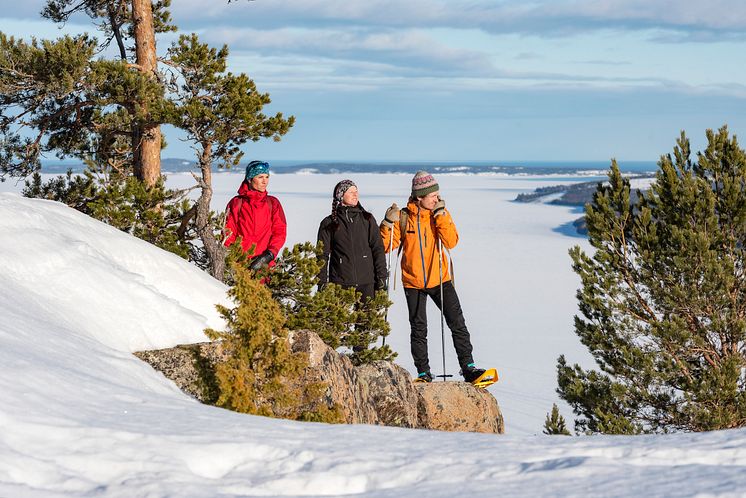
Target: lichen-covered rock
[
  {"x": 343, "y": 384},
  {"x": 458, "y": 406},
  {"x": 391, "y": 393},
  {"x": 190, "y": 366}
]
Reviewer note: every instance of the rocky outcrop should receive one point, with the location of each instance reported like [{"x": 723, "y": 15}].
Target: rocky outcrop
[
  {"x": 190, "y": 367},
  {"x": 391, "y": 393},
  {"x": 458, "y": 406},
  {"x": 337, "y": 371},
  {"x": 379, "y": 393}
]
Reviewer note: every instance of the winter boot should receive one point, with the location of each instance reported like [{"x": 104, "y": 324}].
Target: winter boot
[
  {"x": 471, "y": 373},
  {"x": 424, "y": 377}
]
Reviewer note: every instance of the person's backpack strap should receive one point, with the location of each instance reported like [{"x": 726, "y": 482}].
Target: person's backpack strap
[{"x": 403, "y": 217}]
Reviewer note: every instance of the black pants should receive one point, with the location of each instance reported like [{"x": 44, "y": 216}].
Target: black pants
[
  {"x": 417, "y": 304},
  {"x": 367, "y": 291}
]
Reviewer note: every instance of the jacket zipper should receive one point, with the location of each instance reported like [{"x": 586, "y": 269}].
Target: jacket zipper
[
  {"x": 352, "y": 247},
  {"x": 422, "y": 253}
]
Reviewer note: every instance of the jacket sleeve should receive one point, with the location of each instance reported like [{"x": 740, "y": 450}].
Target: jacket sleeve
[
  {"x": 279, "y": 228},
  {"x": 379, "y": 253},
  {"x": 231, "y": 222},
  {"x": 446, "y": 229},
  {"x": 325, "y": 238}
]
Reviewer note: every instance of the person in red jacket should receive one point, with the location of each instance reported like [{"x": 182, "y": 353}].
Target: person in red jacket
[{"x": 256, "y": 217}]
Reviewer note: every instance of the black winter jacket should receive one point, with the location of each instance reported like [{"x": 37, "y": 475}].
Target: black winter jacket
[{"x": 353, "y": 251}]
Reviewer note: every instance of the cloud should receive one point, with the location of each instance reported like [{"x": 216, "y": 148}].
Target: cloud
[
  {"x": 354, "y": 45},
  {"x": 689, "y": 20},
  {"x": 355, "y": 60},
  {"x": 715, "y": 18},
  {"x": 527, "y": 56},
  {"x": 401, "y": 52},
  {"x": 603, "y": 62}
]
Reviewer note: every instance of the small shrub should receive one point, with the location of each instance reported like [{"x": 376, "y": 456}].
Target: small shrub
[
  {"x": 260, "y": 374},
  {"x": 555, "y": 425}
]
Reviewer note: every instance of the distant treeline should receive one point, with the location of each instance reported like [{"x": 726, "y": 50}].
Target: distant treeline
[{"x": 577, "y": 194}]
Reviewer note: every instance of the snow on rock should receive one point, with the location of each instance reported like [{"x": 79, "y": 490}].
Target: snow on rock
[{"x": 81, "y": 416}]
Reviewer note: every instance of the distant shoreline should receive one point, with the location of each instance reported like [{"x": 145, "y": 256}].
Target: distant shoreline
[{"x": 512, "y": 168}]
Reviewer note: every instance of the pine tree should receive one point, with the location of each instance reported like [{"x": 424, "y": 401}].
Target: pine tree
[
  {"x": 258, "y": 376},
  {"x": 83, "y": 105},
  {"x": 76, "y": 104},
  {"x": 555, "y": 425},
  {"x": 663, "y": 298},
  {"x": 73, "y": 190}
]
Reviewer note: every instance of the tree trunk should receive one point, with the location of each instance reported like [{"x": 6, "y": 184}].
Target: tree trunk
[
  {"x": 146, "y": 139},
  {"x": 215, "y": 250}
]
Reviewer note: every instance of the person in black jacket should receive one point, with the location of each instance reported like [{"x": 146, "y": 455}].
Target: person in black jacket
[{"x": 353, "y": 251}]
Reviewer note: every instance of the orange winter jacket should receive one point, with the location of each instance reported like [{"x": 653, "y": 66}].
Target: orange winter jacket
[{"x": 419, "y": 264}]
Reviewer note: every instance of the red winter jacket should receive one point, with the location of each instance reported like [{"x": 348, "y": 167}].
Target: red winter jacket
[{"x": 258, "y": 218}]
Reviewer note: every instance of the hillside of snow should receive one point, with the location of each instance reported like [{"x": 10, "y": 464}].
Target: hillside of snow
[{"x": 81, "y": 416}]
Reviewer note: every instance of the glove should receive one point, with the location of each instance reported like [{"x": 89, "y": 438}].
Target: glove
[
  {"x": 381, "y": 284},
  {"x": 261, "y": 261},
  {"x": 439, "y": 208},
  {"x": 392, "y": 214}
]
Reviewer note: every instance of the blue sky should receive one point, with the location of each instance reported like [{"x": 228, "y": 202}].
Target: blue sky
[{"x": 449, "y": 80}]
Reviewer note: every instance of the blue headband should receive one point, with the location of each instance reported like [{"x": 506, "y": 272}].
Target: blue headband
[{"x": 256, "y": 168}]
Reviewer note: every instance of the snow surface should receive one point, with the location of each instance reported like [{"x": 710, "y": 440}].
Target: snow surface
[{"x": 81, "y": 416}]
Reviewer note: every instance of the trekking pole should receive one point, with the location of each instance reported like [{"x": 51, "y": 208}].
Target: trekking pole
[
  {"x": 388, "y": 279},
  {"x": 442, "y": 327}
]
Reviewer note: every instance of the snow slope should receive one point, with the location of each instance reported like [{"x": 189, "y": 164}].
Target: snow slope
[{"x": 81, "y": 416}]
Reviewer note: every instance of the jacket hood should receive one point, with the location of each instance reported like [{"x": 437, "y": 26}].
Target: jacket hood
[{"x": 254, "y": 195}]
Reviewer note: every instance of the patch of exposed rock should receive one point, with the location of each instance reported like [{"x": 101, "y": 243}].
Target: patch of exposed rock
[
  {"x": 337, "y": 371},
  {"x": 458, "y": 406},
  {"x": 380, "y": 393}
]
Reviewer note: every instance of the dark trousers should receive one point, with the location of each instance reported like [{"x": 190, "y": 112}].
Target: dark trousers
[
  {"x": 417, "y": 304},
  {"x": 367, "y": 291}
]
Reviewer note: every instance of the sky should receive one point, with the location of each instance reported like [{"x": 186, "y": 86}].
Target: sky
[{"x": 471, "y": 80}]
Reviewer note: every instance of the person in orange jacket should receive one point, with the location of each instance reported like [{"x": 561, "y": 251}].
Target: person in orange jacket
[{"x": 424, "y": 269}]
